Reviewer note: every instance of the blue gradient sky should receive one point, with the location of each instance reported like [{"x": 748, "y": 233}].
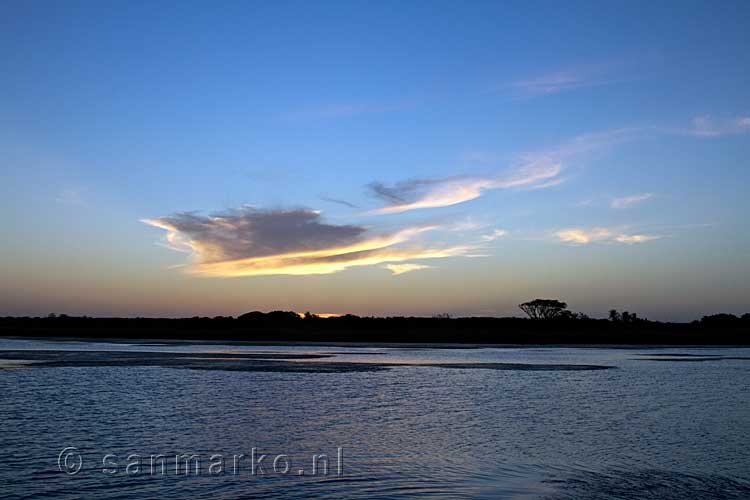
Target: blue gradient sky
[{"x": 374, "y": 158}]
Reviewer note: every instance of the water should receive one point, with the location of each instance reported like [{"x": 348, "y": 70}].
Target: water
[{"x": 647, "y": 429}]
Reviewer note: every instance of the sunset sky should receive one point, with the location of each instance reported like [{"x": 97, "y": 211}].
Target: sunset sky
[{"x": 386, "y": 158}]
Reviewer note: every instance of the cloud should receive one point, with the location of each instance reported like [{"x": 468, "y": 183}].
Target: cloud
[
  {"x": 707, "y": 126},
  {"x": 478, "y": 157},
  {"x": 427, "y": 193},
  {"x": 582, "y": 236},
  {"x": 497, "y": 233},
  {"x": 536, "y": 170},
  {"x": 629, "y": 201},
  {"x": 338, "y": 201},
  {"x": 567, "y": 79},
  {"x": 433, "y": 193},
  {"x": 594, "y": 141},
  {"x": 635, "y": 238},
  {"x": 548, "y": 184},
  {"x": 397, "y": 269},
  {"x": 553, "y": 83},
  {"x": 251, "y": 242}
]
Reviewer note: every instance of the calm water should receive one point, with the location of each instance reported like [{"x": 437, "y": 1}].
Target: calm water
[{"x": 648, "y": 429}]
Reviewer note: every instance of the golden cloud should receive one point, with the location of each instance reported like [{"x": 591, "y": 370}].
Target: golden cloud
[
  {"x": 397, "y": 269},
  {"x": 252, "y": 242}
]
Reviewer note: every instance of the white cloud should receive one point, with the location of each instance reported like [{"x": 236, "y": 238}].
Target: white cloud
[
  {"x": 709, "y": 126},
  {"x": 583, "y": 236},
  {"x": 536, "y": 170},
  {"x": 629, "y": 201},
  {"x": 497, "y": 233},
  {"x": 553, "y": 83},
  {"x": 635, "y": 238},
  {"x": 569, "y": 79},
  {"x": 433, "y": 193}
]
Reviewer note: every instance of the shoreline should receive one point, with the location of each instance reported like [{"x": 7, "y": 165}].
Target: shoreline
[{"x": 155, "y": 342}]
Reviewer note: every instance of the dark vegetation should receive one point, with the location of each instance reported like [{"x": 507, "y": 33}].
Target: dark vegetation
[{"x": 549, "y": 322}]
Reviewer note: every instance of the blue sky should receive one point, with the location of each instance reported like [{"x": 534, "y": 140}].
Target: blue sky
[{"x": 374, "y": 158}]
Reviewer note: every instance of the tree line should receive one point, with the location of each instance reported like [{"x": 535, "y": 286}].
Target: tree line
[{"x": 548, "y": 321}]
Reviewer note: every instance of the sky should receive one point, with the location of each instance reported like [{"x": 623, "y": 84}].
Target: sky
[{"x": 375, "y": 158}]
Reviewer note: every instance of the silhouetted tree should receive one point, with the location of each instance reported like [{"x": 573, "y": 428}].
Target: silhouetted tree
[
  {"x": 283, "y": 316},
  {"x": 614, "y": 315},
  {"x": 252, "y": 316},
  {"x": 721, "y": 320},
  {"x": 544, "y": 308}
]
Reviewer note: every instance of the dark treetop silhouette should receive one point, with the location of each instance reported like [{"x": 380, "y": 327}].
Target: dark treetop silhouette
[
  {"x": 549, "y": 322},
  {"x": 544, "y": 308}
]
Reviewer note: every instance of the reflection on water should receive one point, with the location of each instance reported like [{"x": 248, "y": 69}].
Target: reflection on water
[{"x": 649, "y": 429}]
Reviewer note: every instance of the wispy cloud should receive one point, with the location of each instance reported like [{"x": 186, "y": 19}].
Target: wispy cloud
[
  {"x": 707, "y": 126},
  {"x": 338, "y": 201},
  {"x": 250, "y": 242},
  {"x": 535, "y": 170},
  {"x": 433, "y": 193},
  {"x": 545, "y": 185},
  {"x": 586, "y": 202},
  {"x": 397, "y": 269},
  {"x": 568, "y": 79},
  {"x": 629, "y": 201},
  {"x": 553, "y": 83},
  {"x": 635, "y": 238},
  {"x": 583, "y": 236},
  {"x": 497, "y": 233},
  {"x": 594, "y": 141}
]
